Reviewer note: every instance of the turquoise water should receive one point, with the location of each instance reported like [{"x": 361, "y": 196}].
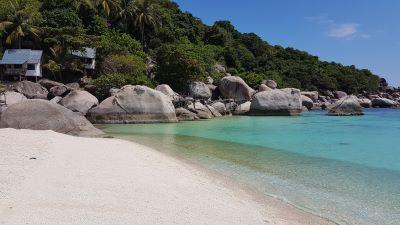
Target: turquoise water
[{"x": 343, "y": 168}]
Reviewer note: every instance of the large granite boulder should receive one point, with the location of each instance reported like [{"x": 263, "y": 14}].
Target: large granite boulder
[
  {"x": 134, "y": 104},
  {"x": 167, "y": 90},
  {"x": 79, "y": 101},
  {"x": 199, "y": 90},
  {"x": 242, "y": 109},
  {"x": 264, "y": 87},
  {"x": 49, "y": 83},
  {"x": 285, "y": 102},
  {"x": 43, "y": 115},
  {"x": 346, "y": 106},
  {"x": 202, "y": 111},
  {"x": 30, "y": 89},
  {"x": 185, "y": 115},
  {"x": 383, "y": 103},
  {"x": 340, "y": 94},
  {"x": 313, "y": 95},
  {"x": 60, "y": 90},
  {"x": 10, "y": 98},
  {"x": 220, "y": 107},
  {"x": 365, "y": 102},
  {"x": 270, "y": 83},
  {"x": 307, "y": 102},
  {"x": 232, "y": 87}
]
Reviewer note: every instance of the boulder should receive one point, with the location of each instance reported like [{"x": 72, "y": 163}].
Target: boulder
[
  {"x": 90, "y": 88},
  {"x": 167, "y": 90},
  {"x": 213, "y": 111},
  {"x": 242, "y": 109},
  {"x": 56, "y": 99},
  {"x": 340, "y": 94},
  {"x": 185, "y": 115},
  {"x": 286, "y": 102},
  {"x": 10, "y": 98},
  {"x": 79, "y": 101},
  {"x": 199, "y": 90},
  {"x": 73, "y": 86},
  {"x": 31, "y": 90},
  {"x": 313, "y": 95},
  {"x": 233, "y": 87},
  {"x": 307, "y": 102},
  {"x": 365, "y": 102},
  {"x": 202, "y": 111},
  {"x": 49, "y": 83},
  {"x": 44, "y": 115},
  {"x": 210, "y": 80},
  {"x": 220, "y": 68},
  {"x": 264, "y": 87},
  {"x": 270, "y": 83},
  {"x": 383, "y": 103},
  {"x": 346, "y": 106},
  {"x": 134, "y": 104},
  {"x": 220, "y": 107},
  {"x": 61, "y": 90}
]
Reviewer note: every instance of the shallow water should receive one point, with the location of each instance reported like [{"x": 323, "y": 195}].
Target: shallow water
[{"x": 344, "y": 168}]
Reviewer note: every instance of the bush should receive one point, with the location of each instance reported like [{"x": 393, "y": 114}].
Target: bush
[
  {"x": 117, "y": 80},
  {"x": 116, "y": 43},
  {"x": 126, "y": 64}
]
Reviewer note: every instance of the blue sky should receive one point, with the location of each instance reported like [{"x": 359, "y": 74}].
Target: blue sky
[{"x": 365, "y": 33}]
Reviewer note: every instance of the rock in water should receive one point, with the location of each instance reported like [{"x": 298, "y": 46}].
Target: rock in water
[
  {"x": 346, "y": 106},
  {"x": 44, "y": 115},
  {"x": 232, "y": 87},
  {"x": 383, "y": 103},
  {"x": 313, "y": 95},
  {"x": 242, "y": 109},
  {"x": 185, "y": 115},
  {"x": 199, "y": 90},
  {"x": 79, "y": 101},
  {"x": 134, "y": 104},
  {"x": 220, "y": 107},
  {"x": 284, "y": 102},
  {"x": 307, "y": 102},
  {"x": 365, "y": 102},
  {"x": 31, "y": 90}
]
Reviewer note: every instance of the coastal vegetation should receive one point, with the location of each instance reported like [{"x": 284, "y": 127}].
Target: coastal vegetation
[{"x": 130, "y": 34}]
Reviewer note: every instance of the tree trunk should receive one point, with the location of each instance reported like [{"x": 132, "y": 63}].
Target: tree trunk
[{"x": 142, "y": 33}]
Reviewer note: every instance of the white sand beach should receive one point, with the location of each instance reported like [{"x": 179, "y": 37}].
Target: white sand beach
[{"x": 49, "y": 178}]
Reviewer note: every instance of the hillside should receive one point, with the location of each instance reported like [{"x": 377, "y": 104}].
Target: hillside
[{"x": 128, "y": 33}]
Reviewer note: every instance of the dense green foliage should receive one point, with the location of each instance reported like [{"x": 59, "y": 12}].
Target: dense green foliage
[{"x": 184, "y": 49}]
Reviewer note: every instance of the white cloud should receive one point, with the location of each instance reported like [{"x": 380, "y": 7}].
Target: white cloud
[{"x": 346, "y": 31}]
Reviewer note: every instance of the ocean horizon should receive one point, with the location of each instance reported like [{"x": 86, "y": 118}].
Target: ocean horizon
[{"x": 345, "y": 169}]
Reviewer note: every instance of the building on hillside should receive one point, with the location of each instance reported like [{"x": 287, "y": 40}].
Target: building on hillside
[
  {"x": 21, "y": 64},
  {"x": 88, "y": 57}
]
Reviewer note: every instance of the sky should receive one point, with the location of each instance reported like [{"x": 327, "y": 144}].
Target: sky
[{"x": 364, "y": 33}]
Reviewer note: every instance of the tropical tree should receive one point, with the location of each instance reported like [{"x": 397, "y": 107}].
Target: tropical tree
[
  {"x": 125, "y": 13},
  {"x": 145, "y": 16},
  {"x": 19, "y": 24},
  {"x": 106, "y": 5}
]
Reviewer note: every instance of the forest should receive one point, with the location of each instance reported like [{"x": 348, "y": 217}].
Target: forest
[{"x": 150, "y": 42}]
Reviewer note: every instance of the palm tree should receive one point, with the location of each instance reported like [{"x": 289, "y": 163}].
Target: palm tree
[
  {"x": 18, "y": 24},
  {"x": 145, "y": 15},
  {"x": 105, "y": 4},
  {"x": 125, "y": 13}
]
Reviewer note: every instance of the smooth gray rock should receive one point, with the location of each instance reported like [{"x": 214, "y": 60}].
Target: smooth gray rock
[
  {"x": 49, "y": 83},
  {"x": 307, "y": 102},
  {"x": 185, "y": 115},
  {"x": 61, "y": 90},
  {"x": 44, "y": 115},
  {"x": 56, "y": 99},
  {"x": 73, "y": 86},
  {"x": 11, "y": 97},
  {"x": 167, "y": 90},
  {"x": 365, "y": 102},
  {"x": 199, "y": 90},
  {"x": 134, "y": 104},
  {"x": 242, "y": 109},
  {"x": 233, "y": 87},
  {"x": 271, "y": 84},
  {"x": 202, "y": 111},
  {"x": 383, "y": 103},
  {"x": 30, "y": 89},
  {"x": 79, "y": 101},
  {"x": 346, "y": 106},
  {"x": 213, "y": 111},
  {"x": 284, "y": 102},
  {"x": 264, "y": 87},
  {"x": 313, "y": 95},
  {"x": 340, "y": 94},
  {"x": 114, "y": 91},
  {"x": 220, "y": 107}
]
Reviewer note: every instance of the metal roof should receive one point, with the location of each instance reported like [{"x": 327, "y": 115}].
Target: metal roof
[
  {"x": 89, "y": 53},
  {"x": 21, "y": 56}
]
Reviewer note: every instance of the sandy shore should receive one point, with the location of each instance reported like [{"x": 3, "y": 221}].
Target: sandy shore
[{"x": 51, "y": 178}]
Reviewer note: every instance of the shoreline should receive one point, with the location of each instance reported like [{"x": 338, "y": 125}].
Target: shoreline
[{"x": 75, "y": 180}]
